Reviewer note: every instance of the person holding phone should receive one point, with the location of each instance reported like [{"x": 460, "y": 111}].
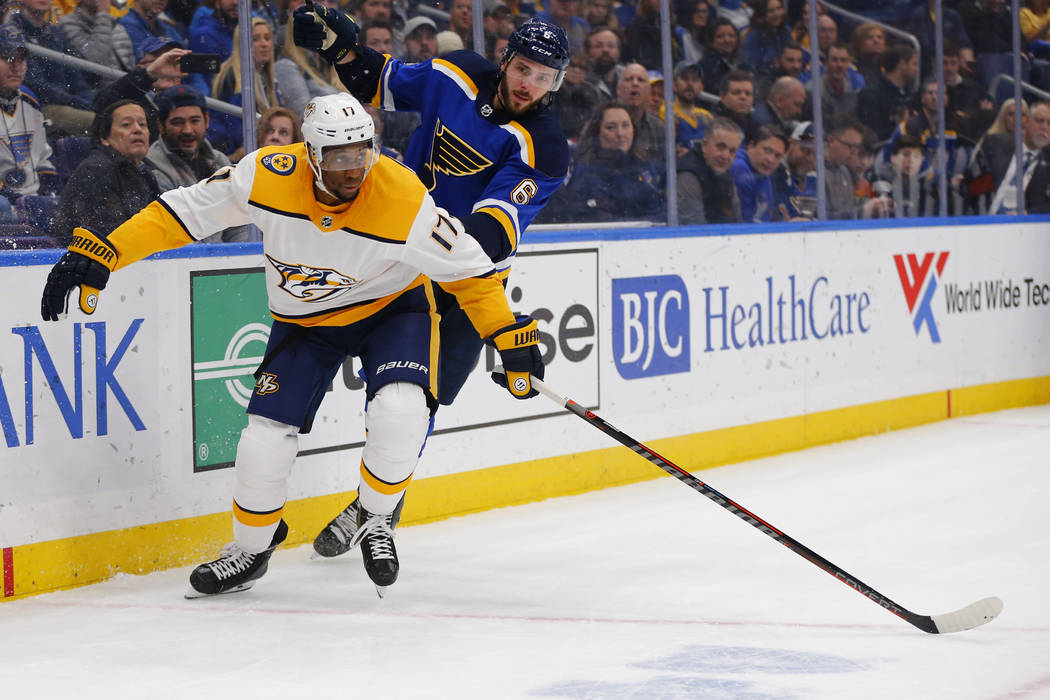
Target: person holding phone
[{"x": 159, "y": 69}]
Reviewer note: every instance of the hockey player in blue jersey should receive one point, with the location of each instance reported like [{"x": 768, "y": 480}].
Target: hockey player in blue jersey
[{"x": 488, "y": 150}]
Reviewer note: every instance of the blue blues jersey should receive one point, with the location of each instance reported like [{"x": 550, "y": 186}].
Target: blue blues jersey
[
  {"x": 795, "y": 196},
  {"x": 493, "y": 172}
]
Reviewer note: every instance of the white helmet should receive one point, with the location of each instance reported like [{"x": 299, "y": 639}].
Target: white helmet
[{"x": 337, "y": 120}]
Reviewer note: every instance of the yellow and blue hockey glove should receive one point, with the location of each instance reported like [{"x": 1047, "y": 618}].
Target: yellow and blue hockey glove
[
  {"x": 519, "y": 351},
  {"x": 329, "y": 32},
  {"x": 86, "y": 264}
]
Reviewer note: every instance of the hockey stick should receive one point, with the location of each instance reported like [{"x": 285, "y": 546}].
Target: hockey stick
[{"x": 971, "y": 616}]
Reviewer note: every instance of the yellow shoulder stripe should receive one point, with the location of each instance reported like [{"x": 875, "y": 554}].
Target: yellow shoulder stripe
[{"x": 462, "y": 79}]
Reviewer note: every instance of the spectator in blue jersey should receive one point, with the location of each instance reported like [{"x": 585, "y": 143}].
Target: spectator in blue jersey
[
  {"x": 611, "y": 183},
  {"x": 63, "y": 92},
  {"x": 752, "y": 170},
  {"x": 768, "y": 34},
  {"x": 211, "y": 30},
  {"x": 146, "y": 20},
  {"x": 795, "y": 180},
  {"x": 487, "y": 148},
  {"x": 690, "y": 119}
]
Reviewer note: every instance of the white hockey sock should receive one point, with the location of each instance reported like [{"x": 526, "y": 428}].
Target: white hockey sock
[
  {"x": 265, "y": 455},
  {"x": 397, "y": 422}
]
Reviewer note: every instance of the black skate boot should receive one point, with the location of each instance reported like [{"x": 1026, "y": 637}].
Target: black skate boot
[
  {"x": 235, "y": 569},
  {"x": 376, "y": 535},
  {"x": 338, "y": 535}
]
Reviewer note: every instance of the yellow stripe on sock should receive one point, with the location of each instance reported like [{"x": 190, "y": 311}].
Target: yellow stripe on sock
[
  {"x": 383, "y": 487},
  {"x": 254, "y": 518}
]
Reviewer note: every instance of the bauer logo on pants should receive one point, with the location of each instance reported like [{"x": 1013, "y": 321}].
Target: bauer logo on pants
[{"x": 650, "y": 326}]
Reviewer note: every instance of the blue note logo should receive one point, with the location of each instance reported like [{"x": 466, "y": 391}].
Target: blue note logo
[{"x": 650, "y": 326}]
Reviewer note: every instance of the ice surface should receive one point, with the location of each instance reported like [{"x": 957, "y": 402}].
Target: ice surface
[{"x": 645, "y": 591}]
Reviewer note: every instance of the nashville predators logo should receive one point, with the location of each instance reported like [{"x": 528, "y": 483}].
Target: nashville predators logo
[
  {"x": 310, "y": 283},
  {"x": 451, "y": 155},
  {"x": 266, "y": 384},
  {"x": 280, "y": 163}
]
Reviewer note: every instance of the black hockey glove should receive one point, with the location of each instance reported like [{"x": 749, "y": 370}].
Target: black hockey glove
[
  {"x": 87, "y": 263},
  {"x": 329, "y": 32},
  {"x": 518, "y": 350}
]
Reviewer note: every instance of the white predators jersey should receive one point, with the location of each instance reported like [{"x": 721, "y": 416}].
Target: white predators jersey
[{"x": 325, "y": 265}]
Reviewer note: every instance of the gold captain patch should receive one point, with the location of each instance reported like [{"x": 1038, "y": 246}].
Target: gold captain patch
[{"x": 451, "y": 155}]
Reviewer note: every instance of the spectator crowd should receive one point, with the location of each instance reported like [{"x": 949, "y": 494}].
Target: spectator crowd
[{"x": 87, "y": 149}]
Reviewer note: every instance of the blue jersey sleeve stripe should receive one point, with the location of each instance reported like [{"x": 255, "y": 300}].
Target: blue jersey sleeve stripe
[
  {"x": 528, "y": 152},
  {"x": 461, "y": 79},
  {"x": 510, "y": 211}
]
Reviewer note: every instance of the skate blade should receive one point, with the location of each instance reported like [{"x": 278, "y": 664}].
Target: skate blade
[
  {"x": 381, "y": 591},
  {"x": 317, "y": 556},
  {"x": 193, "y": 593}
]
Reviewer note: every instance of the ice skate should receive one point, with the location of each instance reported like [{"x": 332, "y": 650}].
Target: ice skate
[
  {"x": 336, "y": 538},
  {"x": 375, "y": 533},
  {"x": 235, "y": 569}
]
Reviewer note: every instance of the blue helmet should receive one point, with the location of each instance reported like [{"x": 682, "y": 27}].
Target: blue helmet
[{"x": 542, "y": 42}]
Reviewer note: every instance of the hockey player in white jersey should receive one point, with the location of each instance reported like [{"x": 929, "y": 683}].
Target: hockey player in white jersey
[{"x": 352, "y": 241}]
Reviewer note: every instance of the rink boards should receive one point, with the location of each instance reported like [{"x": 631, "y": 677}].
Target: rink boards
[{"x": 712, "y": 346}]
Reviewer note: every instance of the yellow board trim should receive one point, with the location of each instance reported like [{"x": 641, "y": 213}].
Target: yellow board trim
[{"x": 86, "y": 559}]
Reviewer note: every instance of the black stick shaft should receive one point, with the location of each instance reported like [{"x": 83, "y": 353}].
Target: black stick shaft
[{"x": 923, "y": 622}]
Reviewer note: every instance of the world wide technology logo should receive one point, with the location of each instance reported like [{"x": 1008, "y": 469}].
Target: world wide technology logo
[{"x": 915, "y": 277}]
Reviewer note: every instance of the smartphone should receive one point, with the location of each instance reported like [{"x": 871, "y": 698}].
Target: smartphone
[{"x": 200, "y": 63}]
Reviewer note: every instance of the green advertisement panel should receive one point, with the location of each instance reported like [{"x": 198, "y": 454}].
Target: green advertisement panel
[{"x": 230, "y": 326}]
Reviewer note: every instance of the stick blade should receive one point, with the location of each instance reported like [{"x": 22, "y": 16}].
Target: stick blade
[{"x": 973, "y": 615}]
